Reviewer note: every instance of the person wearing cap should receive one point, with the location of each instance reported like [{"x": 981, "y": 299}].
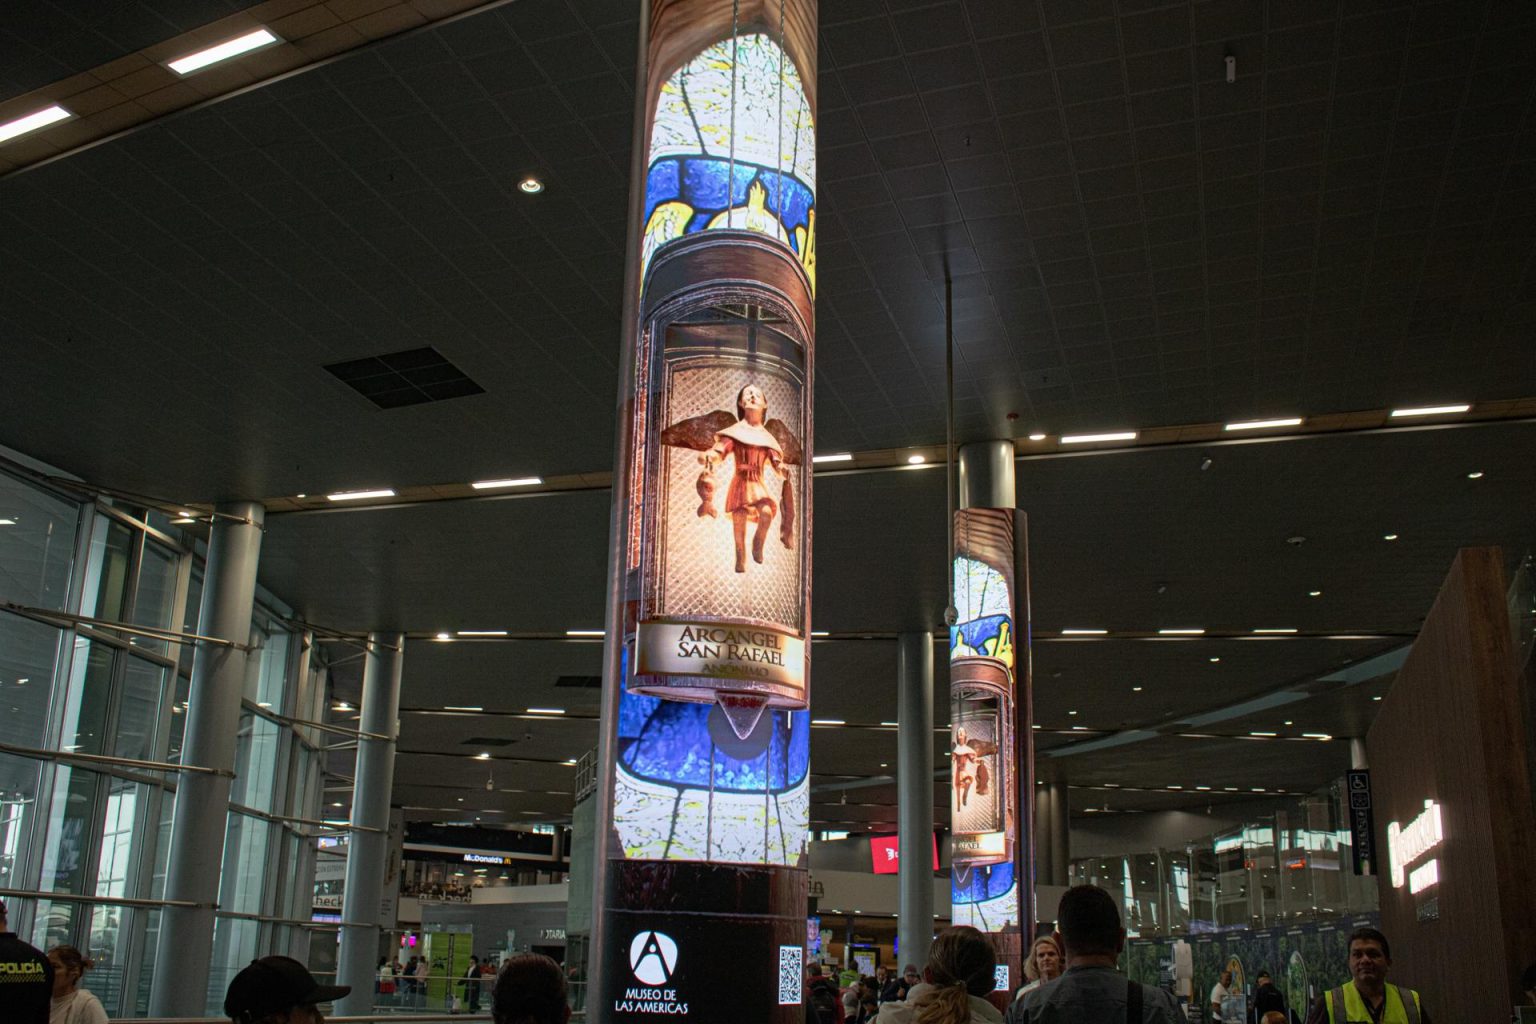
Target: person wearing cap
[
  {"x": 26, "y": 979},
  {"x": 278, "y": 990}
]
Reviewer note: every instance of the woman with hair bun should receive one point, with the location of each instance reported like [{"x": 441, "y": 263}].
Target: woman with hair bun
[
  {"x": 530, "y": 989},
  {"x": 71, "y": 1003},
  {"x": 960, "y": 974}
]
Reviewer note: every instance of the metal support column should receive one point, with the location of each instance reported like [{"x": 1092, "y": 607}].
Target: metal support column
[
  {"x": 368, "y": 847},
  {"x": 986, "y": 475},
  {"x": 914, "y": 793},
  {"x": 184, "y": 950},
  {"x": 1045, "y": 863},
  {"x": 1060, "y": 824}
]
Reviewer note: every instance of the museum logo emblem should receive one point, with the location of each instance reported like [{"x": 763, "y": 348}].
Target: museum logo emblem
[{"x": 652, "y": 957}]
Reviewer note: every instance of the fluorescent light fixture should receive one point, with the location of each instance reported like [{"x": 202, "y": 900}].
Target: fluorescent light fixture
[
  {"x": 178, "y": 521},
  {"x": 1203, "y": 789},
  {"x": 378, "y": 492},
  {"x": 444, "y": 636},
  {"x": 1079, "y": 728},
  {"x": 341, "y": 706},
  {"x": 482, "y": 632},
  {"x": 1175, "y": 787},
  {"x": 891, "y": 724},
  {"x": 1084, "y": 632},
  {"x": 1071, "y": 712},
  {"x": 1111, "y": 785},
  {"x": 7, "y": 522},
  {"x": 1037, "y": 437},
  {"x": 1118, "y": 435},
  {"x": 584, "y": 632},
  {"x": 1230, "y": 789},
  {"x": 1274, "y": 630},
  {"x": 1429, "y": 410},
  {"x": 521, "y": 481},
  {"x": 916, "y": 460},
  {"x": 820, "y": 632},
  {"x": 572, "y": 761},
  {"x": 461, "y": 707},
  {"x": 834, "y": 457},
  {"x": 1289, "y": 421},
  {"x": 1314, "y": 593},
  {"x": 263, "y": 704},
  {"x": 223, "y": 51},
  {"x": 546, "y": 711},
  {"x": 482, "y": 756},
  {"x": 1181, "y": 632},
  {"x": 33, "y": 121},
  {"x": 530, "y": 186},
  {"x": 1316, "y": 736},
  {"x": 828, "y": 721},
  {"x": 1135, "y": 689},
  {"x": 1214, "y": 660},
  {"x": 1267, "y": 735},
  {"x": 1257, "y": 789}
]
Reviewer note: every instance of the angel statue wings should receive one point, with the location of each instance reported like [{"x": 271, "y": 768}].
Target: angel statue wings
[{"x": 755, "y": 443}]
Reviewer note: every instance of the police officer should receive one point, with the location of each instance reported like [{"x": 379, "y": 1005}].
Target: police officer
[
  {"x": 26, "y": 979},
  {"x": 1368, "y": 998}
]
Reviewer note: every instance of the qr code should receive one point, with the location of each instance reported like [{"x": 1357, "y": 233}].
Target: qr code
[
  {"x": 1000, "y": 978},
  {"x": 791, "y": 974}
]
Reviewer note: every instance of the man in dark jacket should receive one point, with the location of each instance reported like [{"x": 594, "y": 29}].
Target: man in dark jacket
[
  {"x": 1267, "y": 998},
  {"x": 26, "y": 979},
  {"x": 823, "y": 1001}
]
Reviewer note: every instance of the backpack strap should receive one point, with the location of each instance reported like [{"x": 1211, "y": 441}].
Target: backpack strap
[
  {"x": 1132, "y": 1002},
  {"x": 1410, "y": 1000}
]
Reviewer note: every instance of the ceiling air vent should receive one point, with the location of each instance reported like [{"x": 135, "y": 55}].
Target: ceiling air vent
[{"x": 405, "y": 378}]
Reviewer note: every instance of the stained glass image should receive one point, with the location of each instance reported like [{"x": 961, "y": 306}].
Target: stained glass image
[
  {"x": 985, "y": 897},
  {"x": 698, "y": 180},
  {"x": 688, "y": 788}
]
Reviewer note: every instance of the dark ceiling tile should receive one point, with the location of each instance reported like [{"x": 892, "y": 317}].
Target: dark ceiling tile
[
  {"x": 929, "y": 28},
  {"x": 859, "y": 42},
  {"x": 961, "y": 104},
  {"x": 1012, "y": 55},
  {"x": 1041, "y": 161},
  {"x": 1083, "y": 83},
  {"x": 1162, "y": 106},
  {"x": 978, "y": 171},
  {"x": 905, "y": 150},
  {"x": 1225, "y": 19},
  {"x": 1108, "y": 182},
  {"x": 937, "y": 69},
  {"x": 1164, "y": 29},
  {"x": 1019, "y": 93},
  {"x": 1104, "y": 151},
  {"x": 880, "y": 80},
  {"x": 1161, "y": 70},
  {"x": 1084, "y": 42},
  {"x": 1024, "y": 131},
  {"x": 896, "y": 116}
]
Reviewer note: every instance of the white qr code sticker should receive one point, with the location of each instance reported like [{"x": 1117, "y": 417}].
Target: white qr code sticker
[
  {"x": 791, "y": 975},
  {"x": 1000, "y": 974}
]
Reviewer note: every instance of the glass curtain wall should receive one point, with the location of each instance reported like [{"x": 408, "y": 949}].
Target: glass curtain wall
[
  {"x": 91, "y": 721},
  {"x": 1287, "y": 868}
]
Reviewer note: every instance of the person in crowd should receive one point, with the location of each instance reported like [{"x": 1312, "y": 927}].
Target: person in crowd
[
  {"x": 909, "y": 978},
  {"x": 1219, "y": 992},
  {"x": 1091, "y": 991},
  {"x": 278, "y": 990},
  {"x": 1042, "y": 965},
  {"x": 71, "y": 1003},
  {"x": 423, "y": 970},
  {"x": 882, "y": 977},
  {"x": 1274, "y": 1017},
  {"x": 530, "y": 989},
  {"x": 384, "y": 982},
  {"x": 891, "y": 990},
  {"x": 1368, "y": 996},
  {"x": 1267, "y": 998},
  {"x": 471, "y": 984},
  {"x": 960, "y": 974},
  {"x": 26, "y": 995},
  {"x": 822, "y": 1003},
  {"x": 850, "y": 997}
]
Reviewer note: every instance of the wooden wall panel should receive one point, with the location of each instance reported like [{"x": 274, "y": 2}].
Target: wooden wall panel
[{"x": 1450, "y": 729}]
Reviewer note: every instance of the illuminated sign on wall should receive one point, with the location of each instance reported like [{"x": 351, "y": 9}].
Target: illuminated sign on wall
[
  {"x": 486, "y": 858},
  {"x": 885, "y": 853},
  {"x": 1406, "y": 845},
  {"x": 1424, "y": 876}
]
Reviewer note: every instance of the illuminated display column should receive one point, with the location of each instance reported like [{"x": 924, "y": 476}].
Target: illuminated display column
[
  {"x": 700, "y": 887},
  {"x": 990, "y": 746}
]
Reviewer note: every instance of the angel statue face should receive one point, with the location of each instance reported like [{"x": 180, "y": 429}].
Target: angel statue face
[{"x": 752, "y": 405}]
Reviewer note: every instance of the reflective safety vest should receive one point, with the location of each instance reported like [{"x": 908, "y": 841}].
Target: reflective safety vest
[{"x": 1347, "y": 1006}]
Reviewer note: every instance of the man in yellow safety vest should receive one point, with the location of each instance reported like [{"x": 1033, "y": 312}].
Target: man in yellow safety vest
[{"x": 1369, "y": 998}]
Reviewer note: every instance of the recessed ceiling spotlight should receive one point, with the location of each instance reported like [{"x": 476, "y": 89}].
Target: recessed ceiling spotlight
[
  {"x": 521, "y": 481},
  {"x": 223, "y": 51},
  {"x": 377, "y": 492},
  {"x": 1289, "y": 421},
  {"x": 1116, "y": 435},
  {"x": 444, "y": 636},
  {"x": 1389, "y": 536},
  {"x": 1289, "y": 722},
  {"x": 1214, "y": 659},
  {"x": 833, "y": 457},
  {"x": 916, "y": 460},
  {"x": 1314, "y": 593},
  {"x": 1429, "y": 410},
  {"x": 482, "y": 756},
  {"x": 342, "y": 706},
  {"x": 1475, "y": 475},
  {"x": 1135, "y": 689},
  {"x": 1037, "y": 437},
  {"x": 572, "y": 761},
  {"x": 33, "y": 121},
  {"x": 530, "y": 186},
  {"x": 1071, "y": 712},
  {"x": 1375, "y": 698}
]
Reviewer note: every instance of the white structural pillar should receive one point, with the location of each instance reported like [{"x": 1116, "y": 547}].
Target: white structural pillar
[
  {"x": 914, "y": 794},
  {"x": 368, "y": 849},
  {"x": 184, "y": 950}
]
